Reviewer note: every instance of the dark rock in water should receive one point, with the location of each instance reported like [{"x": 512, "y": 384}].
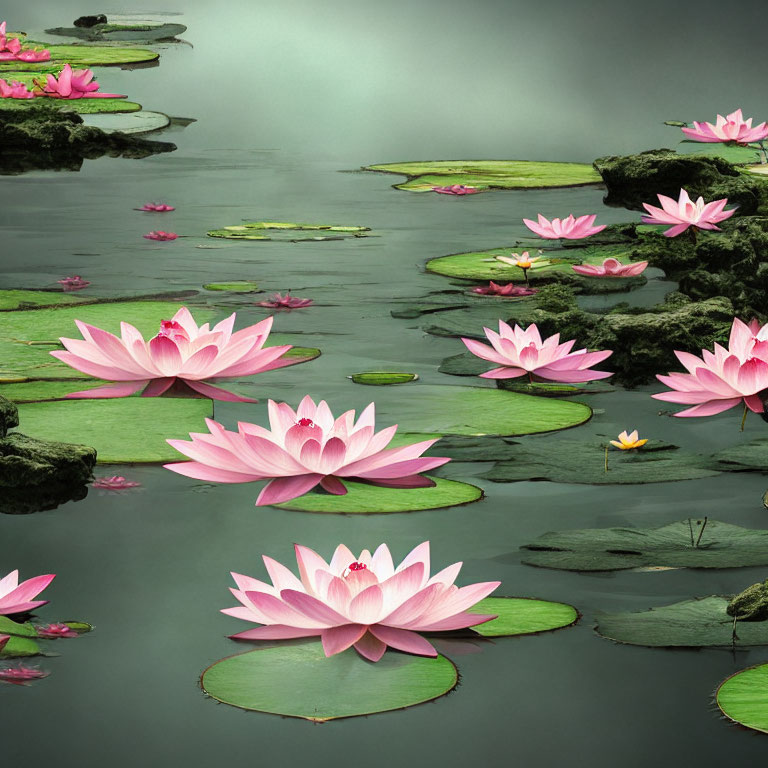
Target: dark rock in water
[
  {"x": 90, "y": 21},
  {"x": 9, "y": 416},
  {"x": 632, "y": 180},
  {"x": 25, "y": 501},
  {"x": 751, "y": 604},
  {"x": 27, "y": 462}
]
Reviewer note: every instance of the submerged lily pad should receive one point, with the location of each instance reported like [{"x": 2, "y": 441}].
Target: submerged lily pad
[
  {"x": 235, "y": 286},
  {"x": 576, "y": 461},
  {"x": 489, "y": 174},
  {"x": 362, "y": 498},
  {"x": 297, "y": 680},
  {"x": 140, "y": 33},
  {"x": 380, "y": 378},
  {"x": 79, "y": 55},
  {"x": 689, "y": 543},
  {"x": 287, "y": 231},
  {"x": 142, "y": 121},
  {"x": 19, "y": 299},
  {"x": 751, "y": 456},
  {"x": 743, "y": 698},
  {"x": 523, "y": 616}
]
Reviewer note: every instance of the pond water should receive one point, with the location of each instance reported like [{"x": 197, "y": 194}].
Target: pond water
[{"x": 290, "y": 100}]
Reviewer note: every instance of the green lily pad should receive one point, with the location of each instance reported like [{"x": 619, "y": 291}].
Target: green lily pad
[
  {"x": 133, "y": 123},
  {"x": 81, "y": 627},
  {"x": 698, "y": 623},
  {"x": 720, "y": 545},
  {"x": 297, "y": 680},
  {"x": 523, "y": 616},
  {"x": 19, "y": 647},
  {"x": 140, "y": 33},
  {"x": 576, "y": 461},
  {"x": 733, "y": 153},
  {"x": 123, "y": 431},
  {"x": 362, "y": 498},
  {"x": 80, "y": 56},
  {"x": 743, "y": 698},
  {"x": 14, "y": 299},
  {"x": 751, "y": 456},
  {"x": 236, "y": 286},
  {"x": 10, "y": 627},
  {"x": 81, "y": 106},
  {"x": 379, "y": 378},
  {"x": 286, "y": 231},
  {"x": 489, "y": 174}
]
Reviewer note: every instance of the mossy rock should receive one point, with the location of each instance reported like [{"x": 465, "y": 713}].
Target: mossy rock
[
  {"x": 40, "y": 498},
  {"x": 25, "y": 461},
  {"x": 287, "y": 231},
  {"x": 9, "y": 416}
]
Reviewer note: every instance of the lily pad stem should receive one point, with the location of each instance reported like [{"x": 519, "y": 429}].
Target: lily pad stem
[
  {"x": 743, "y": 418},
  {"x": 701, "y": 531}
]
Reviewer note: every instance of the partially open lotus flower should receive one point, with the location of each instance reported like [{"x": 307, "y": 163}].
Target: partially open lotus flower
[
  {"x": 31, "y": 55},
  {"x": 74, "y": 84},
  {"x": 9, "y": 46},
  {"x": 156, "y": 208},
  {"x": 522, "y": 260},
  {"x": 569, "y": 228},
  {"x": 611, "y": 268},
  {"x": 160, "y": 235},
  {"x": 14, "y": 90},
  {"x": 303, "y": 449},
  {"x": 456, "y": 189},
  {"x": 731, "y": 129},
  {"x": 54, "y": 631},
  {"x": 19, "y": 598},
  {"x": 509, "y": 290},
  {"x": 522, "y": 352},
  {"x": 684, "y": 213},
  {"x": 74, "y": 283},
  {"x": 628, "y": 442},
  {"x": 21, "y": 674},
  {"x": 278, "y": 301},
  {"x": 724, "y": 378},
  {"x": 180, "y": 351},
  {"x": 362, "y": 601},
  {"x": 114, "y": 483}
]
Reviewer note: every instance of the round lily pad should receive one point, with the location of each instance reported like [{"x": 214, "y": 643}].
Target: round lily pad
[
  {"x": 287, "y": 231},
  {"x": 751, "y": 456},
  {"x": 10, "y": 627},
  {"x": 79, "y": 56},
  {"x": 235, "y": 286},
  {"x": 743, "y": 698},
  {"x": 378, "y": 378},
  {"x": 489, "y": 174},
  {"x": 134, "y": 122},
  {"x": 523, "y": 616},
  {"x": 16, "y": 299},
  {"x": 19, "y": 647},
  {"x": 733, "y": 153},
  {"x": 365, "y": 499},
  {"x": 297, "y": 680}
]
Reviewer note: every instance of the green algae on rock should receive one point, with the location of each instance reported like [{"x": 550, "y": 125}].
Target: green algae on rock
[
  {"x": 287, "y": 231},
  {"x": 9, "y": 416},
  {"x": 751, "y": 604}
]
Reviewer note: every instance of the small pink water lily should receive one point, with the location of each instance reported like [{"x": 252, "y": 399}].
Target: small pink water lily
[
  {"x": 509, "y": 290},
  {"x": 456, "y": 189},
  {"x": 569, "y": 228},
  {"x": 114, "y": 483},
  {"x": 733, "y": 128},
  {"x": 14, "y": 90},
  {"x": 180, "y": 351},
  {"x": 521, "y": 352},
  {"x": 53, "y": 631},
  {"x": 31, "y": 55},
  {"x": 611, "y": 268},
  {"x": 684, "y": 213},
  {"x": 156, "y": 208},
  {"x": 19, "y": 598},
  {"x": 362, "y": 601},
  {"x": 724, "y": 378},
  {"x": 21, "y": 674},
  {"x": 302, "y": 449},
  {"x": 160, "y": 235},
  {"x": 278, "y": 301},
  {"x": 74, "y": 283},
  {"x": 74, "y": 84}
]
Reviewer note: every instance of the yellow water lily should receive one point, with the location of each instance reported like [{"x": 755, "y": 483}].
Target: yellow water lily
[
  {"x": 524, "y": 261},
  {"x": 627, "y": 442}
]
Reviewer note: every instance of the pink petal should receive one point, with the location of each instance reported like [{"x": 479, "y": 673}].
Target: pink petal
[
  {"x": 338, "y": 639},
  {"x": 403, "y": 640},
  {"x": 370, "y": 647},
  {"x": 287, "y": 488}
]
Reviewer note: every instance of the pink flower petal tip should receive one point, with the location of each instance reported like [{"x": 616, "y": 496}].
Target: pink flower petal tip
[
  {"x": 18, "y": 597},
  {"x": 611, "y": 268},
  {"x": 456, "y": 189},
  {"x": 569, "y": 228},
  {"x": 156, "y": 208}
]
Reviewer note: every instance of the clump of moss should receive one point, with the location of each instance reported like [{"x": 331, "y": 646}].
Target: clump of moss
[
  {"x": 556, "y": 297},
  {"x": 751, "y": 604}
]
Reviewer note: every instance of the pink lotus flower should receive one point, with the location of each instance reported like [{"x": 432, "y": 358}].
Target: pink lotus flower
[
  {"x": 684, "y": 213},
  {"x": 569, "y": 228},
  {"x": 156, "y": 208},
  {"x": 509, "y": 290},
  {"x": 731, "y": 129},
  {"x": 114, "y": 483},
  {"x": 522, "y": 352},
  {"x": 34, "y": 55},
  {"x": 611, "y": 268},
  {"x": 21, "y": 674},
  {"x": 75, "y": 84},
  {"x": 160, "y": 235},
  {"x": 362, "y": 601},
  {"x": 456, "y": 189},
  {"x": 9, "y": 47},
  {"x": 18, "y": 598},
  {"x": 277, "y": 301},
  {"x": 725, "y": 378},
  {"x": 74, "y": 283},
  {"x": 303, "y": 449},
  {"x": 14, "y": 90},
  {"x": 180, "y": 350},
  {"x": 54, "y": 631}
]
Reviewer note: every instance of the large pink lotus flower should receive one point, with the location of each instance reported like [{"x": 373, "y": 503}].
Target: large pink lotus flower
[
  {"x": 14, "y": 90},
  {"x": 160, "y": 235},
  {"x": 114, "y": 483},
  {"x": 611, "y": 268},
  {"x": 278, "y": 301},
  {"x": 724, "y": 378},
  {"x": 731, "y": 129},
  {"x": 54, "y": 631},
  {"x": 75, "y": 84},
  {"x": 303, "y": 449},
  {"x": 456, "y": 189},
  {"x": 684, "y": 213},
  {"x": 569, "y": 228},
  {"x": 21, "y": 674},
  {"x": 510, "y": 290},
  {"x": 180, "y": 351},
  {"x": 522, "y": 352},
  {"x": 156, "y": 208},
  {"x": 362, "y": 601},
  {"x": 18, "y": 598},
  {"x": 74, "y": 283}
]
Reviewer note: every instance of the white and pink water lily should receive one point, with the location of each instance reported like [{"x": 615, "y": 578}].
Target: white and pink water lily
[
  {"x": 683, "y": 213},
  {"x": 611, "y": 268},
  {"x": 303, "y": 449},
  {"x": 19, "y": 598},
  {"x": 733, "y": 128},
  {"x": 360, "y": 601},
  {"x": 569, "y": 228},
  {"x": 180, "y": 351}
]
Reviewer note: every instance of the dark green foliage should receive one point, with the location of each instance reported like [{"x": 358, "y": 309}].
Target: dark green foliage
[{"x": 9, "y": 416}]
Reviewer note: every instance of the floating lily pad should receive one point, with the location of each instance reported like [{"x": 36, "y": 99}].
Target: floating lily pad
[
  {"x": 489, "y": 174},
  {"x": 13, "y": 299},
  {"x": 733, "y": 153},
  {"x": 697, "y": 623},
  {"x": 720, "y": 545},
  {"x": 299, "y": 681},
  {"x": 142, "y": 121},
  {"x": 79, "y": 56},
  {"x": 743, "y": 698},
  {"x": 575, "y": 461},
  {"x": 10, "y": 627},
  {"x": 123, "y": 431},
  {"x": 236, "y": 286},
  {"x": 81, "y": 106},
  {"x": 287, "y": 231},
  {"x": 81, "y": 627},
  {"x": 362, "y": 498},
  {"x": 139, "y": 33},
  {"x": 523, "y": 616},
  {"x": 19, "y": 647},
  {"x": 379, "y": 378},
  {"x": 744, "y": 457}
]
